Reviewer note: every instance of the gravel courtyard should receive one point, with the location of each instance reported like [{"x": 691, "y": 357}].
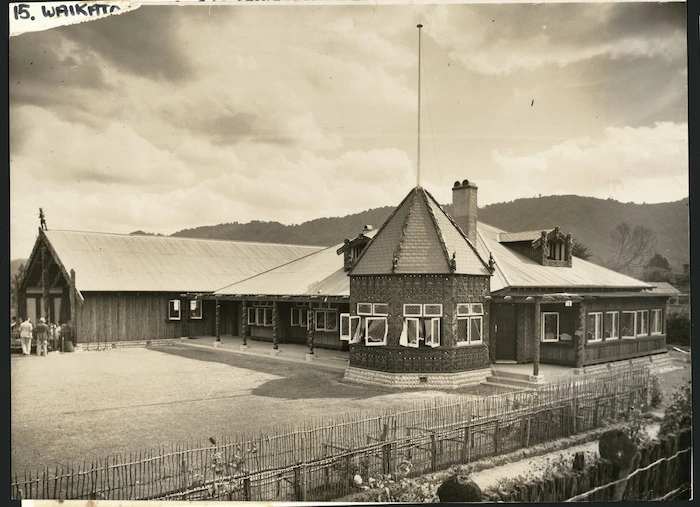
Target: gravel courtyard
[{"x": 74, "y": 407}]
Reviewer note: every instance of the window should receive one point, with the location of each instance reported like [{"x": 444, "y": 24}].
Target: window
[
  {"x": 642, "y": 322},
  {"x": 174, "y": 309},
  {"x": 550, "y": 327},
  {"x": 298, "y": 317},
  {"x": 412, "y": 310},
  {"x": 380, "y": 309},
  {"x": 303, "y": 317},
  {"x": 470, "y": 327},
  {"x": 326, "y": 320},
  {"x": 268, "y": 316},
  {"x": 463, "y": 309},
  {"x": 475, "y": 329},
  {"x": 432, "y": 310},
  {"x": 411, "y": 334},
  {"x": 356, "y": 329},
  {"x": 657, "y": 323},
  {"x": 345, "y": 327},
  {"x": 252, "y": 314},
  {"x": 594, "y": 327},
  {"x": 375, "y": 331},
  {"x": 611, "y": 327},
  {"x": 432, "y": 332},
  {"x": 196, "y": 309},
  {"x": 627, "y": 325},
  {"x": 364, "y": 308},
  {"x": 477, "y": 308}
]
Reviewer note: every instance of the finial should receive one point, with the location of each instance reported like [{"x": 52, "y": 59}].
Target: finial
[
  {"x": 492, "y": 263},
  {"x": 394, "y": 262},
  {"x": 42, "y": 219},
  {"x": 453, "y": 262}
]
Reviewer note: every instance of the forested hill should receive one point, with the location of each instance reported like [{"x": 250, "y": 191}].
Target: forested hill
[{"x": 589, "y": 220}]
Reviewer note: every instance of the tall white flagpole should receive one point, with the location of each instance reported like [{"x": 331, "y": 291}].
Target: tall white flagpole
[{"x": 418, "y": 161}]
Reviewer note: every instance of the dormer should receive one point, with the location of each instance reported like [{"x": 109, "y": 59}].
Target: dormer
[
  {"x": 352, "y": 248},
  {"x": 549, "y": 248}
]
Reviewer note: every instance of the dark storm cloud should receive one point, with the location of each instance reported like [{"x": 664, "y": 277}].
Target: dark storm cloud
[{"x": 142, "y": 42}]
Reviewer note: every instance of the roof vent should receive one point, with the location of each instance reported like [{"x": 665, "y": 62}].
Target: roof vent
[{"x": 367, "y": 228}]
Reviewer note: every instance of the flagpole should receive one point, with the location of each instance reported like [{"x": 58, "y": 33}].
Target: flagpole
[{"x": 419, "y": 26}]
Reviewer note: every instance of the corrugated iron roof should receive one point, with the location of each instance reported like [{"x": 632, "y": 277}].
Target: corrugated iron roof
[
  {"x": 321, "y": 273},
  {"x": 514, "y": 269},
  {"x": 116, "y": 262},
  {"x": 424, "y": 240},
  {"x": 663, "y": 288},
  {"x": 514, "y": 237}
]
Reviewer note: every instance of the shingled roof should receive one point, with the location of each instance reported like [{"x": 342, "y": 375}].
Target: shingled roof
[{"x": 420, "y": 238}]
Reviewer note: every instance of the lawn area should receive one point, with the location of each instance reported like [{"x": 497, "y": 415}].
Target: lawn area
[{"x": 71, "y": 407}]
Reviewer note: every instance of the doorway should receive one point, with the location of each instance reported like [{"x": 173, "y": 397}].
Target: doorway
[{"x": 504, "y": 331}]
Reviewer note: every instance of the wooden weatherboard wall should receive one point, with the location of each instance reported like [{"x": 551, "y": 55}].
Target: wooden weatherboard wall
[{"x": 129, "y": 316}]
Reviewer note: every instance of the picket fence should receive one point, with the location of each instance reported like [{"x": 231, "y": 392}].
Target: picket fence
[{"x": 318, "y": 461}]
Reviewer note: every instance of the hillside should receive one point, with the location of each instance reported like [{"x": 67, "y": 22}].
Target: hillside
[{"x": 588, "y": 219}]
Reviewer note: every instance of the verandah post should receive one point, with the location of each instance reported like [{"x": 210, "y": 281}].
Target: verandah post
[
  {"x": 538, "y": 338},
  {"x": 218, "y": 320},
  {"x": 275, "y": 326},
  {"x": 311, "y": 319},
  {"x": 245, "y": 327},
  {"x": 45, "y": 283}
]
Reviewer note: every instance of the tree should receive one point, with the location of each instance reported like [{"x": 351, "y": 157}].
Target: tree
[
  {"x": 581, "y": 251},
  {"x": 15, "y": 280},
  {"x": 658, "y": 269},
  {"x": 633, "y": 246}
]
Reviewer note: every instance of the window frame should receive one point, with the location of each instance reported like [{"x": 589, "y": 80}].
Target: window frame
[
  {"x": 432, "y": 314},
  {"x": 360, "y": 328},
  {"x": 365, "y": 311},
  {"x": 252, "y": 311},
  {"x": 417, "y": 321},
  {"x": 615, "y": 328},
  {"x": 462, "y": 306},
  {"x": 198, "y": 305},
  {"x": 598, "y": 327},
  {"x": 325, "y": 328},
  {"x": 473, "y": 311},
  {"x": 480, "y": 319},
  {"x": 344, "y": 337},
  {"x": 634, "y": 324},
  {"x": 652, "y": 321},
  {"x": 294, "y": 312},
  {"x": 176, "y": 306},
  {"x": 415, "y": 305},
  {"x": 368, "y": 320},
  {"x": 380, "y": 312},
  {"x": 543, "y": 327},
  {"x": 433, "y": 321},
  {"x": 645, "y": 321}
]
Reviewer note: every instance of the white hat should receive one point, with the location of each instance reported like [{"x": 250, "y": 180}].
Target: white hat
[{"x": 42, "y": 319}]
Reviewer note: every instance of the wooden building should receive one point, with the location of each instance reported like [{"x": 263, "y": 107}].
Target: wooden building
[{"x": 115, "y": 288}]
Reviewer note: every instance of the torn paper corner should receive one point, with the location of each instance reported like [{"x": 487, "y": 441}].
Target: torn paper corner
[{"x": 37, "y": 16}]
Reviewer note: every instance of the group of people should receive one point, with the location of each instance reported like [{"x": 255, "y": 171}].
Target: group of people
[{"x": 42, "y": 332}]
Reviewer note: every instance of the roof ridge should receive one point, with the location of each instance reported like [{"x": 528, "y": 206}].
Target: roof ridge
[
  {"x": 179, "y": 238},
  {"x": 402, "y": 235},
  {"x": 473, "y": 247},
  {"x": 440, "y": 235}
]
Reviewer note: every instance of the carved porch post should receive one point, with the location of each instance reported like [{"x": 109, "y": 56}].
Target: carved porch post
[
  {"x": 45, "y": 301},
  {"x": 580, "y": 335},
  {"x": 73, "y": 319},
  {"x": 245, "y": 327},
  {"x": 218, "y": 320},
  {"x": 538, "y": 338},
  {"x": 275, "y": 326},
  {"x": 311, "y": 319}
]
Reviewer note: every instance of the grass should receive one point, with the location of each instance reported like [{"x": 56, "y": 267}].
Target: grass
[{"x": 72, "y": 407}]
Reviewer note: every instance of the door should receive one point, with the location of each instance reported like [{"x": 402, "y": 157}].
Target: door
[{"x": 503, "y": 331}]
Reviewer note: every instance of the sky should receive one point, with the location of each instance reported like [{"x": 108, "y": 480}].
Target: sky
[{"x": 171, "y": 117}]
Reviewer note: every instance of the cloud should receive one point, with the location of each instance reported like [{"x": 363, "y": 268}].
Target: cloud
[
  {"x": 500, "y": 40},
  {"x": 633, "y": 164}
]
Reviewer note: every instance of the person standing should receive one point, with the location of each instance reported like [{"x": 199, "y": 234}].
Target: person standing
[
  {"x": 42, "y": 334},
  {"x": 25, "y": 336}
]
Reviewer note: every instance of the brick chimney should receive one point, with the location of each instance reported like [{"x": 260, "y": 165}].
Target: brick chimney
[{"x": 464, "y": 207}]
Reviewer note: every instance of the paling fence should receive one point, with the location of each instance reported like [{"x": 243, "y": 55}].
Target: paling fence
[{"x": 319, "y": 460}]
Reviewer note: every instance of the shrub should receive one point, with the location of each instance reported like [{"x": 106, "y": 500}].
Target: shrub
[
  {"x": 678, "y": 329},
  {"x": 656, "y": 395},
  {"x": 679, "y": 413}
]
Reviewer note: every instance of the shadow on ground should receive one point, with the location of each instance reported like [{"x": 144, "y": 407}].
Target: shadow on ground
[{"x": 300, "y": 380}]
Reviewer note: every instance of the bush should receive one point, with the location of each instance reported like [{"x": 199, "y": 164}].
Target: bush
[
  {"x": 679, "y": 414},
  {"x": 656, "y": 395},
  {"x": 678, "y": 329}
]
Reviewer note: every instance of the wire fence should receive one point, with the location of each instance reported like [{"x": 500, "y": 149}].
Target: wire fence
[{"x": 318, "y": 460}]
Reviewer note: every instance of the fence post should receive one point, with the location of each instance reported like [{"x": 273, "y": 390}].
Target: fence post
[
  {"x": 386, "y": 458},
  {"x": 246, "y": 488},
  {"x": 495, "y": 438},
  {"x": 298, "y": 494},
  {"x": 433, "y": 453},
  {"x": 595, "y": 413}
]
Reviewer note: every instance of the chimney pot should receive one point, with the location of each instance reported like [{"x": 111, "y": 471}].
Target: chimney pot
[
  {"x": 456, "y": 185},
  {"x": 465, "y": 183}
]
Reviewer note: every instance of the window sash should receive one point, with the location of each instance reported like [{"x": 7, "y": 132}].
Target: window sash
[
  {"x": 371, "y": 338},
  {"x": 463, "y": 309},
  {"x": 477, "y": 308},
  {"x": 632, "y": 317},
  {"x": 434, "y": 325},
  {"x": 413, "y": 327},
  {"x": 364, "y": 308},
  {"x": 594, "y": 329},
  {"x": 295, "y": 317},
  {"x": 473, "y": 326},
  {"x": 303, "y": 317},
  {"x": 196, "y": 309},
  {"x": 174, "y": 310},
  {"x": 548, "y": 316},
  {"x": 657, "y": 326},
  {"x": 432, "y": 310},
  {"x": 345, "y": 327},
  {"x": 356, "y": 329},
  {"x": 611, "y": 332},
  {"x": 642, "y": 322},
  {"x": 320, "y": 320},
  {"x": 252, "y": 313},
  {"x": 412, "y": 310},
  {"x": 381, "y": 309},
  {"x": 463, "y": 335}
]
